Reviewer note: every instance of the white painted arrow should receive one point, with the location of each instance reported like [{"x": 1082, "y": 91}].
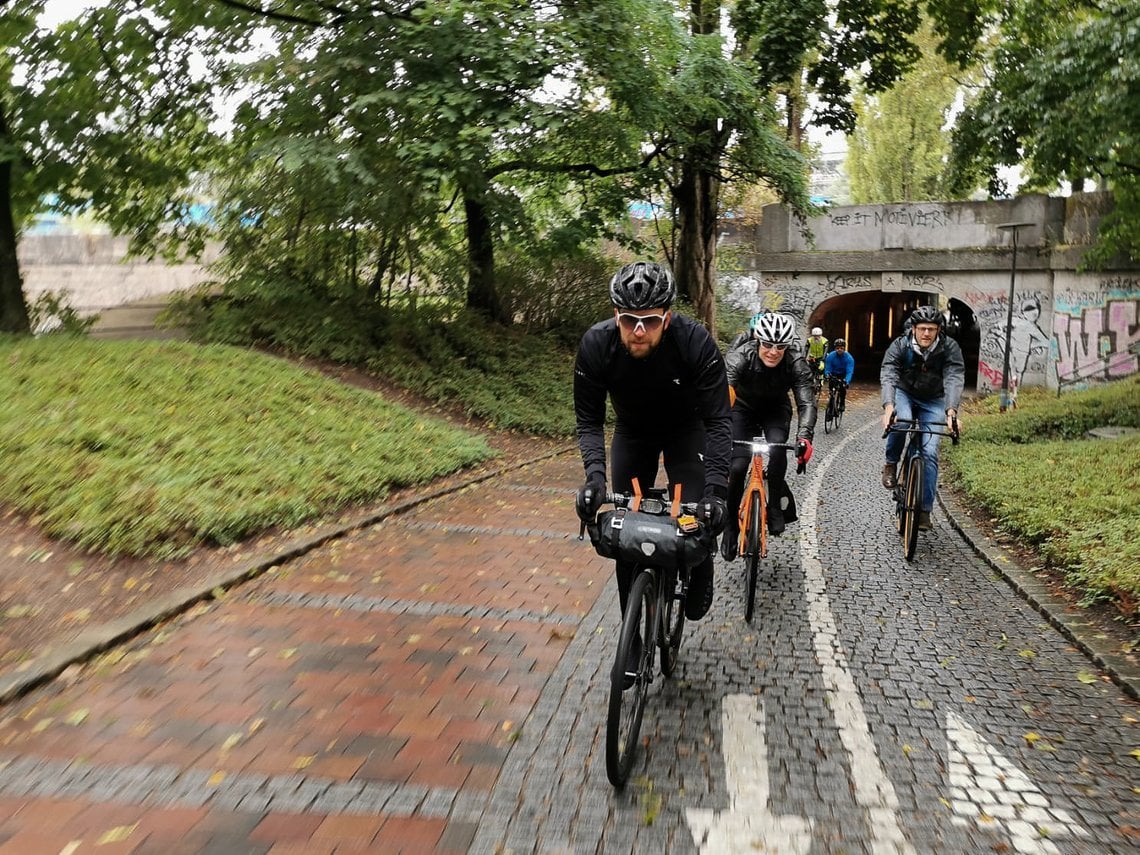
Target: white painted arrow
[
  {"x": 747, "y": 825},
  {"x": 986, "y": 788}
]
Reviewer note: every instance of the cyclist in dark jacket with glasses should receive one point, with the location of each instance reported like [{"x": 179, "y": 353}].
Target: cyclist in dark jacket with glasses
[
  {"x": 665, "y": 378},
  {"x": 922, "y": 378},
  {"x": 763, "y": 367}
]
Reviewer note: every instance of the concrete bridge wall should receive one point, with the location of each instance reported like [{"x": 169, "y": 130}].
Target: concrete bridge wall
[
  {"x": 867, "y": 265},
  {"x": 92, "y": 272}
]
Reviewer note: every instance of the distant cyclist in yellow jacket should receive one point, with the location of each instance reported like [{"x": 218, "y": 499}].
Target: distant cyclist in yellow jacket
[{"x": 816, "y": 351}]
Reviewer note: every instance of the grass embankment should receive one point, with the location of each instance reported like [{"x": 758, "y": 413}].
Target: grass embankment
[
  {"x": 1075, "y": 499},
  {"x": 152, "y": 448}
]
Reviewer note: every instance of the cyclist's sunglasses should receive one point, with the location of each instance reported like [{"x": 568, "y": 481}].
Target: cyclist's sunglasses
[
  {"x": 771, "y": 345},
  {"x": 649, "y": 324}
]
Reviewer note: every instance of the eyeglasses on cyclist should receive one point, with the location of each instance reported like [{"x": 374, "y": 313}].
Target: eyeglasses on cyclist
[{"x": 648, "y": 324}]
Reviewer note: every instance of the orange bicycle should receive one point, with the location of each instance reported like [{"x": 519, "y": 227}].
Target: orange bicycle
[{"x": 753, "y": 514}]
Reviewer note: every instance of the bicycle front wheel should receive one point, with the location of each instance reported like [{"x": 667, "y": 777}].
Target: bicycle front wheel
[
  {"x": 753, "y": 549},
  {"x": 838, "y": 413},
  {"x": 673, "y": 623},
  {"x": 829, "y": 418},
  {"x": 629, "y": 680},
  {"x": 914, "y": 483}
]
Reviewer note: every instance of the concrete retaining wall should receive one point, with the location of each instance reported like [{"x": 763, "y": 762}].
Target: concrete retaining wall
[{"x": 93, "y": 272}]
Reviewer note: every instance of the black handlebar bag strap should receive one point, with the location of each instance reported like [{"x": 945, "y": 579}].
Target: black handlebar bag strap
[{"x": 643, "y": 538}]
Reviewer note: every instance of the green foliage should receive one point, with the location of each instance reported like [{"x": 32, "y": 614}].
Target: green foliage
[
  {"x": 898, "y": 150},
  {"x": 1061, "y": 101},
  {"x": 153, "y": 448},
  {"x": 1040, "y": 414},
  {"x": 1072, "y": 497},
  {"x": 508, "y": 378},
  {"x": 52, "y": 313}
]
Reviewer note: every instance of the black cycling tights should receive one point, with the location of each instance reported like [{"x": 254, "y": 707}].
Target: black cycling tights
[
  {"x": 745, "y": 425},
  {"x": 637, "y": 457}
]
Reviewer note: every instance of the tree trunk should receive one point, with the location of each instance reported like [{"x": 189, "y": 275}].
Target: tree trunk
[
  {"x": 482, "y": 295},
  {"x": 13, "y": 308},
  {"x": 696, "y": 198},
  {"x": 695, "y": 265}
]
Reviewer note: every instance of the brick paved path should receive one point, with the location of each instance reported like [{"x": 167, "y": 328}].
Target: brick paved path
[{"x": 436, "y": 684}]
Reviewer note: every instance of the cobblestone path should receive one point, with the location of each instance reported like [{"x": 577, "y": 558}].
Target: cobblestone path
[{"x": 437, "y": 684}]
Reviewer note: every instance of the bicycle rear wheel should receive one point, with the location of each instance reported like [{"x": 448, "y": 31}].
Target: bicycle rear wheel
[
  {"x": 914, "y": 483},
  {"x": 623, "y": 722},
  {"x": 673, "y": 622},
  {"x": 752, "y": 550}
]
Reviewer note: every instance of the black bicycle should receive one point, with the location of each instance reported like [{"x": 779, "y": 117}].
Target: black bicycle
[
  {"x": 836, "y": 400},
  {"x": 911, "y": 480},
  {"x": 664, "y": 539},
  {"x": 816, "y": 374}
]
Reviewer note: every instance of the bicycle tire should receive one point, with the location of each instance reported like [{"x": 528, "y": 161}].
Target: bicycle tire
[
  {"x": 752, "y": 553},
  {"x": 623, "y": 720},
  {"x": 672, "y": 625},
  {"x": 838, "y": 413},
  {"x": 829, "y": 415},
  {"x": 913, "y": 501}
]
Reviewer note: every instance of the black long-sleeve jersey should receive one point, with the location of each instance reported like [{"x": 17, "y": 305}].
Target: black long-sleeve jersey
[
  {"x": 759, "y": 388},
  {"x": 679, "y": 386}
]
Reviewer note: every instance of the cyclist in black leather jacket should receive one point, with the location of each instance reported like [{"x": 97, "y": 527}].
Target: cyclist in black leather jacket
[
  {"x": 666, "y": 380},
  {"x": 763, "y": 366}
]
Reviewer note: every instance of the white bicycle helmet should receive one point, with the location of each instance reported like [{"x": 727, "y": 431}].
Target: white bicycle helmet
[
  {"x": 816, "y": 331},
  {"x": 773, "y": 327}
]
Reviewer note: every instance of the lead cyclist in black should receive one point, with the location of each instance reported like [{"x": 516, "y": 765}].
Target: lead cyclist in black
[{"x": 666, "y": 379}]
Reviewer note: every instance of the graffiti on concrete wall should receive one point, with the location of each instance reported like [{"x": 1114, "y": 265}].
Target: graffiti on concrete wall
[
  {"x": 1030, "y": 356},
  {"x": 1096, "y": 332},
  {"x": 794, "y": 294},
  {"x": 911, "y": 216}
]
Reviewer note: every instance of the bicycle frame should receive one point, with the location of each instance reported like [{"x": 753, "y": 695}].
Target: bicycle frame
[
  {"x": 754, "y": 533},
  {"x": 655, "y": 615},
  {"x": 909, "y": 482},
  {"x": 754, "y": 486}
]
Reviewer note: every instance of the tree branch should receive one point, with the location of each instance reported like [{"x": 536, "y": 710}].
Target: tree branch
[
  {"x": 270, "y": 14},
  {"x": 571, "y": 168}
]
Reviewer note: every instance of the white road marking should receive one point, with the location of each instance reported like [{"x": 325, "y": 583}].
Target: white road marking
[
  {"x": 987, "y": 789},
  {"x": 872, "y": 787},
  {"x": 747, "y": 825}
]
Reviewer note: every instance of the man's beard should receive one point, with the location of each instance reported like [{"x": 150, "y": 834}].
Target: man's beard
[{"x": 650, "y": 349}]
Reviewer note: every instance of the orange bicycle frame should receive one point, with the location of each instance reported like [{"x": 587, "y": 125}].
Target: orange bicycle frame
[{"x": 744, "y": 516}]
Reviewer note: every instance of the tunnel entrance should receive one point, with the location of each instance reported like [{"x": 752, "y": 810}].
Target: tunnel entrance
[{"x": 870, "y": 320}]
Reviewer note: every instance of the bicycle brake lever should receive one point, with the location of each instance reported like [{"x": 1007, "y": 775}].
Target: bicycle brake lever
[{"x": 582, "y": 530}]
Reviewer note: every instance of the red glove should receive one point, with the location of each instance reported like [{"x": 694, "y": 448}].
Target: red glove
[{"x": 803, "y": 455}]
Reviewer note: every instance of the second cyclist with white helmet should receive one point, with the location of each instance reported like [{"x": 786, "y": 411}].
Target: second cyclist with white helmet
[{"x": 763, "y": 367}]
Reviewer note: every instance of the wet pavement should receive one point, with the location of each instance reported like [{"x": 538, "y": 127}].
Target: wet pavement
[{"x": 436, "y": 682}]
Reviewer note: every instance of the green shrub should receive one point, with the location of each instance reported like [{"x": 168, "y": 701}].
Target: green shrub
[
  {"x": 151, "y": 448},
  {"x": 1073, "y": 498},
  {"x": 1040, "y": 414}
]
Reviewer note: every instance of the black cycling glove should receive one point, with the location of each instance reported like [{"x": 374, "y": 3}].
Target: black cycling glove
[
  {"x": 714, "y": 509},
  {"x": 590, "y": 497}
]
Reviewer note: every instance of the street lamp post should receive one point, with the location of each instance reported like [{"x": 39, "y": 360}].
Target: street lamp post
[{"x": 1014, "y": 228}]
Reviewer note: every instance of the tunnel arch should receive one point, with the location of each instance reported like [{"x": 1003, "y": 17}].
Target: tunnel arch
[{"x": 869, "y": 320}]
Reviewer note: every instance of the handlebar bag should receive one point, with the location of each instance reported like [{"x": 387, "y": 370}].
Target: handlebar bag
[{"x": 643, "y": 538}]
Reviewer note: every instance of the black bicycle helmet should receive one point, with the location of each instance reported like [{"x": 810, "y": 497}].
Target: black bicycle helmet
[
  {"x": 840, "y": 343},
  {"x": 926, "y": 315},
  {"x": 642, "y": 285}
]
